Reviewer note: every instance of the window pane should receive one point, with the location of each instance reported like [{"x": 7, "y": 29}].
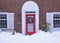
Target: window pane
[
  {"x": 56, "y": 20},
  {"x": 30, "y": 20},
  {"x": 3, "y": 23},
  {"x": 30, "y": 24},
  {"x": 3, "y": 20},
  {"x": 3, "y": 16},
  {"x": 56, "y": 23},
  {"x": 56, "y": 16}
]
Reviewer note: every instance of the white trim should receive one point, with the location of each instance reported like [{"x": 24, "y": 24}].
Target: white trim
[
  {"x": 3, "y": 12},
  {"x": 10, "y": 20},
  {"x": 30, "y": 6}
]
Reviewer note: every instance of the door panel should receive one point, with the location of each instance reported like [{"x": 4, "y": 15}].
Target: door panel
[{"x": 30, "y": 27}]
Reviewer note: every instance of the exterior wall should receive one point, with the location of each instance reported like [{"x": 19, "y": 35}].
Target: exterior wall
[{"x": 16, "y": 7}]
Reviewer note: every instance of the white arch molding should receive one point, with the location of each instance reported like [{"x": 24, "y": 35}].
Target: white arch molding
[{"x": 30, "y": 6}]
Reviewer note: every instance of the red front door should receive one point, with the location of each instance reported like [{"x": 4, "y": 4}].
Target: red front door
[{"x": 30, "y": 23}]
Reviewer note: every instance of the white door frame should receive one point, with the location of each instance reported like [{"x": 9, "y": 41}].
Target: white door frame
[{"x": 30, "y": 6}]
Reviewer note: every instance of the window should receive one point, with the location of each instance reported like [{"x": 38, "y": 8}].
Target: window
[
  {"x": 30, "y": 24},
  {"x": 3, "y": 20},
  {"x": 30, "y": 20},
  {"x": 53, "y": 18},
  {"x": 6, "y": 20},
  {"x": 56, "y": 20}
]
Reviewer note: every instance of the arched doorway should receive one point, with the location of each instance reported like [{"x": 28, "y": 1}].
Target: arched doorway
[{"x": 30, "y": 18}]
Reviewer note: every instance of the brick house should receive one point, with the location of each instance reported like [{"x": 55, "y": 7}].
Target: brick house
[{"x": 28, "y": 17}]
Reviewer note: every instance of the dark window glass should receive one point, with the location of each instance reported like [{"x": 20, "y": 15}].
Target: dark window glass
[
  {"x": 56, "y": 20},
  {"x": 56, "y": 23},
  {"x": 30, "y": 12},
  {"x": 3, "y": 16},
  {"x": 56, "y": 16},
  {"x": 3, "y": 21},
  {"x": 30, "y": 20}
]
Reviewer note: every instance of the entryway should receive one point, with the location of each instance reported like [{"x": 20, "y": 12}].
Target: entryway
[{"x": 30, "y": 18}]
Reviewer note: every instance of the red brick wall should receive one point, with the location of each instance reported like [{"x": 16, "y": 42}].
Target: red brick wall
[{"x": 16, "y": 6}]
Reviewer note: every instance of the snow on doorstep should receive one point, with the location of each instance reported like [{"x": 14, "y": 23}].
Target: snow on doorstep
[{"x": 41, "y": 37}]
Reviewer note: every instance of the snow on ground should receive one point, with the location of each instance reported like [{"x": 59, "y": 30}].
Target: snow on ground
[{"x": 41, "y": 37}]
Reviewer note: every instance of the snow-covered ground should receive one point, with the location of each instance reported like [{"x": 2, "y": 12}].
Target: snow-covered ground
[{"x": 41, "y": 37}]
